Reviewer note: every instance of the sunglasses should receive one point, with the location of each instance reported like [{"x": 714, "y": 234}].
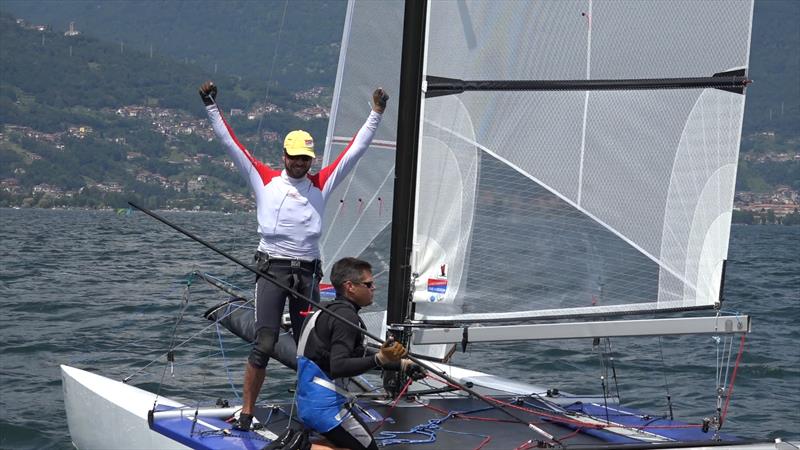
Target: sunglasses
[
  {"x": 367, "y": 284},
  {"x": 305, "y": 158}
]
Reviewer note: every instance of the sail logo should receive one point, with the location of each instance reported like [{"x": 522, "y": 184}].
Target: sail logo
[
  {"x": 327, "y": 291},
  {"x": 437, "y": 287}
]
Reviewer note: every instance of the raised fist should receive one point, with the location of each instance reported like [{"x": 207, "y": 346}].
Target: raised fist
[
  {"x": 208, "y": 92},
  {"x": 379, "y": 99}
]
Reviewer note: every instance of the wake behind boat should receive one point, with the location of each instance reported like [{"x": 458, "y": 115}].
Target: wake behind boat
[{"x": 554, "y": 170}]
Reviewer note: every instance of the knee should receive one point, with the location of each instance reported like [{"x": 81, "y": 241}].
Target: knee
[{"x": 263, "y": 348}]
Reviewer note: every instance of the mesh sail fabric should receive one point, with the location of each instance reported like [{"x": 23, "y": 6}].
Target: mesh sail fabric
[
  {"x": 358, "y": 215},
  {"x": 582, "y": 201}
]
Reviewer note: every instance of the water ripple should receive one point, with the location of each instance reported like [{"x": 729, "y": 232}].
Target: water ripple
[{"x": 103, "y": 293}]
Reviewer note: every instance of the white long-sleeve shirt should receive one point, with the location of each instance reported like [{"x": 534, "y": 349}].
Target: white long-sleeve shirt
[{"x": 290, "y": 210}]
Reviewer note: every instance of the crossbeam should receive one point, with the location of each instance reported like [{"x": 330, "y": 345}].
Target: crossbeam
[{"x": 578, "y": 330}]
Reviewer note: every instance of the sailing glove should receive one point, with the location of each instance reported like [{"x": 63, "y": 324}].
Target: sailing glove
[
  {"x": 208, "y": 92},
  {"x": 412, "y": 369},
  {"x": 379, "y": 99},
  {"x": 391, "y": 351}
]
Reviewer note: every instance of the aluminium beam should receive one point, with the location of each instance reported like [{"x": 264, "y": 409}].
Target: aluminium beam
[{"x": 580, "y": 330}]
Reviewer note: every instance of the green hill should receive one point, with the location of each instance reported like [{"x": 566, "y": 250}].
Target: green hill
[
  {"x": 86, "y": 122},
  {"x": 153, "y": 55},
  {"x": 773, "y": 100},
  {"x": 302, "y": 36},
  {"x": 240, "y": 38}
]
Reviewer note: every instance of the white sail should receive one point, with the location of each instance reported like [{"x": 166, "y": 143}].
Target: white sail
[
  {"x": 358, "y": 217},
  {"x": 585, "y": 201},
  {"x": 553, "y": 203},
  {"x": 361, "y": 207}
]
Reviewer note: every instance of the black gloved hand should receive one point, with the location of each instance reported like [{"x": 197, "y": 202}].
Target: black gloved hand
[
  {"x": 208, "y": 92},
  {"x": 413, "y": 370},
  {"x": 379, "y": 99}
]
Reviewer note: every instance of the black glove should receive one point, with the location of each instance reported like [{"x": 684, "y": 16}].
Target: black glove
[
  {"x": 413, "y": 370},
  {"x": 208, "y": 92},
  {"x": 379, "y": 99}
]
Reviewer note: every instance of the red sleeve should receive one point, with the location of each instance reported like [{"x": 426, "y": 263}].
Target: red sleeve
[
  {"x": 319, "y": 179},
  {"x": 264, "y": 171}
]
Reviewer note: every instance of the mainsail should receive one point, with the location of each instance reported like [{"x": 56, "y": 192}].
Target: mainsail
[
  {"x": 557, "y": 202},
  {"x": 358, "y": 217},
  {"x": 587, "y": 201}
]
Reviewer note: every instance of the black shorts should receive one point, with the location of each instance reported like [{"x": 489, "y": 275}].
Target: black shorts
[{"x": 271, "y": 299}]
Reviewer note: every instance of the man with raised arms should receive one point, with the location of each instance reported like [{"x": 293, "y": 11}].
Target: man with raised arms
[{"x": 289, "y": 206}]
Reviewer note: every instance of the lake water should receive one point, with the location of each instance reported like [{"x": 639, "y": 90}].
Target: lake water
[{"x": 101, "y": 291}]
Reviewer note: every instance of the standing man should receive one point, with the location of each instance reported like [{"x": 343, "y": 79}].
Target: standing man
[
  {"x": 289, "y": 205},
  {"x": 330, "y": 351}
]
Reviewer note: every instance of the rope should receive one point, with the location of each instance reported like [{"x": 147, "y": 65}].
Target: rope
[
  {"x": 429, "y": 429},
  {"x": 397, "y": 399},
  {"x": 733, "y": 379},
  {"x": 577, "y": 422}
]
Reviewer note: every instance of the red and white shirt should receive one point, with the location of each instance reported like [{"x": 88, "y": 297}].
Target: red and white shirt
[{"x": 290, "y": 210}]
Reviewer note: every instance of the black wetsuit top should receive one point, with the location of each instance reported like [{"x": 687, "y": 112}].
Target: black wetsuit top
[{"x": 337, "y": 348}]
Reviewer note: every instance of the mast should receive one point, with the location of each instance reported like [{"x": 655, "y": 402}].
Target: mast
[
  {"x": 408, "y": 126},
  {"x": 406, "y": 161}
]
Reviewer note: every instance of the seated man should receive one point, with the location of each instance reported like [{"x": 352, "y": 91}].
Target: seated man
[{"x": 330, "y": 349}]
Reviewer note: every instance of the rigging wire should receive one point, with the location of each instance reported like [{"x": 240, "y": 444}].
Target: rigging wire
[
  {"x": 272, "y": 69},
  {"x": 180, "y": 285},
  {"x": 664, "y": 373},
  {"x": 170, "y": 354},
  {"x": 185, "y": 341},
  {"x": 733, "y": 379},
  {"x": 225, "y": 362},
  {"x": 197, "y": 402},
  {"x": 613, "y": 369},
  {"x": 603, "y": 373}
]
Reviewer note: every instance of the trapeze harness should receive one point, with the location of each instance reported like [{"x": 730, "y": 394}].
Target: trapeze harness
[{"x": 322, "y": 404}]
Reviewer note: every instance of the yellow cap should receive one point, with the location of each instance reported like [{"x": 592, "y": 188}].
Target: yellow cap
[{"x": 299, "y": 143}]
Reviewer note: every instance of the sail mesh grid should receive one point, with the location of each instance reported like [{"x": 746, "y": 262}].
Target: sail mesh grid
[
  {"x": 370, "y": 59},
  {"x": 584, "y": 199},
  {"x": 551, "y": 201}
]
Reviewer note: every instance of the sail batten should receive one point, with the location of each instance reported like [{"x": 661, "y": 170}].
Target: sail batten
[{"x": 438, "y": 86}]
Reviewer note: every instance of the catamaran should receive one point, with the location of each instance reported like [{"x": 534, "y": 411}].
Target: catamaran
[{"x": 552, "y": 170}]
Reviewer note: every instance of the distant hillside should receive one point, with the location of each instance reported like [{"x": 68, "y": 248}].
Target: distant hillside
[
  {"x": 81, "y": 71},
  {"x": 147, "y": 135},
  {"x": 773, "y": 100},
  {"x": 86, "y": 123},
  {"x": 232, "y": 37},
  {"x": 242, "y": 37}
]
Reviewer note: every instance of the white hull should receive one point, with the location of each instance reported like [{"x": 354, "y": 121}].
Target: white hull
[{"x": 108, "y": 414}]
